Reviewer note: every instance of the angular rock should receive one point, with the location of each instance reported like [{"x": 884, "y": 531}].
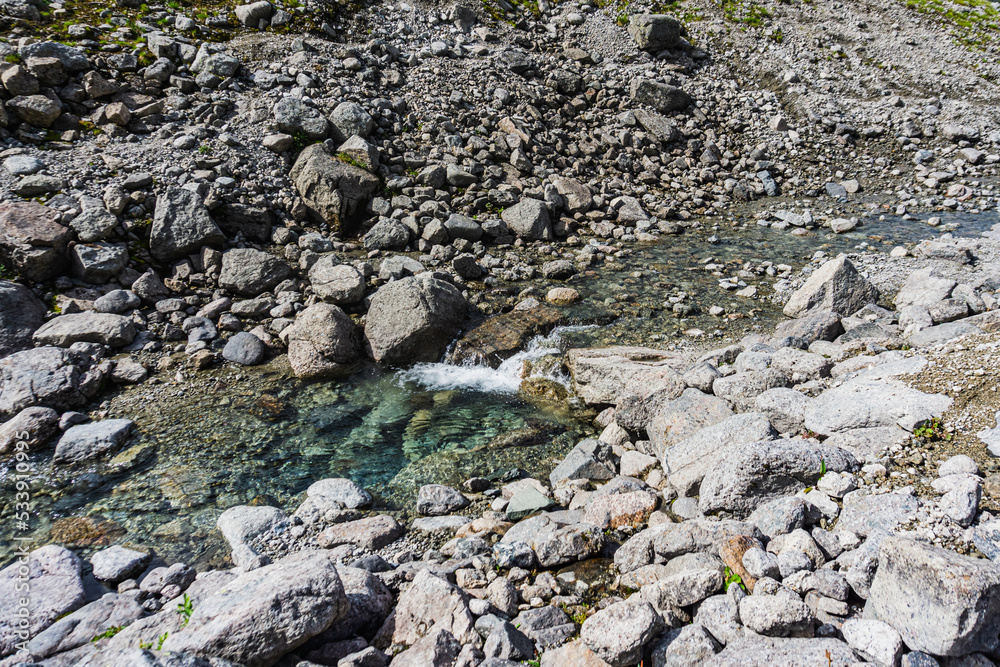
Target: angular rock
[
  {"x": 876, "y": 640},
  {"x": 117, "y": 563},
  {"x": 619, "y": 633},
  {"x": 336, "y": 283},
  {"x": 323, "y": 342},
  {"x": 29, "y": 430},
  {"x": 556, "y": 544},
  {"x": 528, "y": 219},
  {"x": 776, "y": 615},
  {"x": 437, "y": 499},
  {"x": 690, "y": 645},
  {"x": 332, "y": 190},
  {"x": 98, "y": 262},
  {"x": 85, "y": 441},
  {"x": 32, "y": 241},
  {"x": 659, "y": 96},
  {"x": 683, "y": 417},
  {"x": 250, "y": 272},
  {"x": 371, "y": 533},
  {"x": 21, "y": 313},
  {"x": 431, "y": 601},
  {"x": 181, "y": 225},
  {"x": 242, "y": 524},
  {"x": 44, "y": 376},
  {"x": 768, "y": 651},
  {"x": 607, "y": 375},
  {"x": 89, "y": 327},
  {"x": 836, "y": 286}
]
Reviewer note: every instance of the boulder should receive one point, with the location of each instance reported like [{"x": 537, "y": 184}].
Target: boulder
[
  {"x": 98, "y": 263},
  {"x": 250, "y": 272},
  {"x": 817, "y": 325},
  {"x": 577, "y": 197},
  {"x": 438, "y": 648},
  {"x": 288, "y": 602},
  {"x": 345, "y": 492},
  {"x": 116, "y": 563},
  {"x": 501, "y": 336},
  {"x": 253, "y": 223},
  {"x": 53, "y": 578},
  {"x": 769, "y": 651},
  {"x": 660, "y": 127},
  {"x": 80, "y": 627},
  {"x": 836, "y": 286},
  {"x": 618, "y": 634},
  {"x": 784, "y": 408},
  {"x": 241, "y": 524},
  {"x": 683, "y": 417},
  {"x": 387, "y": 234},
  {"x": 370, "y": 533},
  {"x": 323, "y": 342},
  {"x": 876, "y": 640},
  {"x": 924, "y": 288},
  {"x": 414, "y": 319},
  {"x": 181, "y": 225},
  {"x": 759, "y": 472},
  {"x": 245, "y": 349},
  {"x": 87, "y": 327},
  {"x": 871, "y": 402},
  {"x": 939, "y": 601},
  {"x": 295, "y": 117},
  {"x": 438, "y": 500},
  {"x": 39, "y": 424},
  {"x": 336, "y": 283},
  {"x": 37, "y": 110},
  {"x": 85, "y": 441},
  {"x": 555, "y": 543},
  {"x": 690, "y": 645},
  {"x": 332, "y": 190},
  {"x": 742, "y": 389},
  {"x": 94, "y": 223},
  {"x": 431, "y": 601},
  {"x": 370, "y": 603},
  {"x": 32, "y": 241},
  {"x": 779, "y": 615},
  {"x": 529, "y": 220},
  {"x": 21, "y": 313},
  {"x": 660, "y": 96},
  {"x": 251, "y": 15},
  {"x": 351, "y": 120},
  {"x": 655, "y": 32},
  {"x": 607, "y": 375},
  {"x": 47, "y": 376}
]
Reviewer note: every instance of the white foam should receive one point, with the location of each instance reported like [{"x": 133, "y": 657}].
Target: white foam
[{"x": 506, "y": 379}]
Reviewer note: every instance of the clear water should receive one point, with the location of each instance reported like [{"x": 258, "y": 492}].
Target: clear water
[{"x": 224, "y": 437}]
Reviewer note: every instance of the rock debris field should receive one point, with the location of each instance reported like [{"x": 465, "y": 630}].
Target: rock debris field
[{"x": 322, "y": 187}]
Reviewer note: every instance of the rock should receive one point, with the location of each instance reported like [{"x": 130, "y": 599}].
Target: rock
[
  {"x": 655, "y": 32},
  {"x": 241, "y": 524},
  {"x": 784, "y": 408},
  {"x": 437, "y": 500},
  {"x": 462, "y": 227},
  {"x": 438, "y": 648},
  {"x": 251, "y": 15},
  {"x": 660, "y": 127},
  {"x": 371, "y": 533},
  {"x": 295, "y": 117},
  {"x": 80, "y": 627},
  {"x": 742, "y": 389},
  {"x": 685, "y": 581},
  {"x": 762, "y": 471},
  {"x": 387, "y": 235},
  {"x": 71, "y": 58},
  {"x": 683, "y": 417},
  {"x": 875, "y": 640},
  {"x": 21, "y": 313},
  {"x": 56, "y": 589},
  {"x": 181, "y": 225},
  {"x": 88, "y": 327},
  {"x": 116, "y": 563},
  {"x": 690, "y": 645},
  {"x": 336, "y": 283},
  {"x": 573, "y": 653},
  {"x": 764, "y": 651},
  {"x": 776, "y": 615},
  {"x": 924, "y": 288},
  {"x": 659, "y": 96},
  {"x": 547, "y": 626},
  {"x": 562, "y": 296},
  {"x": 687, "y": 462},
  {"x": 244, "y": 349},
  {"x": 332, "y": 190},
  {"x": 33, "y": 427},
  {"x": 621, "y": 510},
  {"x": 350, "y": 119},
  {"x": 85, "y": 441},
  {"x": 581, "y": 463},
  {"x": 250, "y": 272},
  {"x": 867, "y": 514},
  {"x": 528, "y": 219},
  {"x": 93, "y": 224},
  {"x": 779, "y": 516},
  {"x": 432, "y": 601},
  {"x": 414, "y": 319},
  {"x": 836, "y": 286},
  {"x": 864, "y": 402},
  {"x": 576, "y": 196},
  {"x": 939, "y": 601},
  {"x": 345, "y": 492},
  {"x": 98, "y": 263},
  {"x": 32, "y": 241},
  {"x": 553, "y": 543},
  {"x": 524, "y": 502},
  {"x": 507, "y": 643},
  {"x": 44, "y": 376},
  {"x": 288, "y": 602},
  {"x": 323, "y": 342},
  {"x": 818, "y": 325},
  {"x": 607, "y": 375},
  {"x": 117, "y": 301},
  {"x": 37, "y": 110},
  {"x": 619, "y": 633}
]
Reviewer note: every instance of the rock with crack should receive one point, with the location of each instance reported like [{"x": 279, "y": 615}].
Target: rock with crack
[
  {"x": 181, "y": 225},
  {"x": 332, "y": 189},
  {"x": 323, "y": 343}
]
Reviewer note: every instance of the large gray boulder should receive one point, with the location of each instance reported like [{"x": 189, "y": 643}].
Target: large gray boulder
[
  {"x": 371, "y": 602},
  {"x": 85, "y": 441},
  {"x": 940, "y": 602},
  {"x": 759, "y": 651},
  {"x": 21, "y": 312},
  {"x": 431, "y": 601},
  {"x": 332, "y": 190},
  {"x": 335, "y": 282},
  {"x": 687, "y": 462},
  {"x": 250, "y": 272},
  {"x": 117, "y": 563},
  {"x": 323, "y": 342},
  {"x": 266, "y": 613},
  {"x": 40, "y": 424},
  {"x": 295, "y": 117},
  {"x": 868, "y": 402},
  {"x": 89, "y": 327},
  {"x": 56, "y": 589},
  {"x": 32, "y": 241},
  {"x": 554, "y": 542},
  {"x": 835, "y": 286},
  {"x": 660, "y": 96},
  {"x": 683, "y": 417},
  {"x": 924, "y": 288},
  {"x": 98, "y": 263},
  {"x": 529, "y": 219},
  {"x": 80, "y": 627},
  {"x": 655, "y": 32},
  {"x": 762, "y": 471},
  {"x": 620, "y": 633},
  {"x": 414, "y": 319},
  {"x": 47, "y": 376},
  {"x": 241, "y": 524},
  {"x": 181, "y": 225},
  {"x": 609, "y": 374},
  {"x": 350, "y": 119}
]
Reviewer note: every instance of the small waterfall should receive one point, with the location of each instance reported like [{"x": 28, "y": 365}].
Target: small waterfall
[{"x": 505, "y": 379}]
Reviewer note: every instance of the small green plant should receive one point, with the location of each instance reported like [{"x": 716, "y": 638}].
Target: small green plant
[
  {"x": 162, "y": 638},
  {"x": 205, "y": 149},
  {"x": 822, "y": 467},
  {"x": 932, "y": 430},
  {"x": 733, "y": 578},
  {"x": 12, "y": 58},
  {"x": 185, "y": 609},
  {"x": 107, "y": 634},
  {"x": 344, "y": 157}
]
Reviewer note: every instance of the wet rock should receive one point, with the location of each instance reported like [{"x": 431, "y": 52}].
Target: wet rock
[
  {"x": 414, "y": 319},
  {"x": 117, "y": 563},
  {"x": 763, "y": 471},
  {"x": 836, "y": 286},
  {"x": 56, "y": 589},
  {"x": 86, "y": 441},
  {"x": 90, "y": 327},
  {"x": 332, "y": 190},
  {"x": 44, "y": 376},
  {"x": 250, "y": 272},
  {"x": 21, "y": 313},
  {"x": 655, "y": 32},
  {"x": 940, "y": 602},
  {"x": 501, "y": 336},
  {"x": 437, "y": 499},
  {"x": 619, "y": 633},
  {"x": 32, "y": 241},
  {"x": 288, "y": 602},
  {"x": 528, "y": 219},
  {"x": 181, "y": 225},
  {"x": 323, "y": 342},
  {"x": 345, "y": 492},
  {"x": 371, "y": 533},
  {"x": 432, "y": 601},
  {"x": 244, "y": 349},
  {"x": 33, "y": 427}
]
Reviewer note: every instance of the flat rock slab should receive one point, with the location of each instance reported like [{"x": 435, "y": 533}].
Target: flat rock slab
[
  {"x": 868, "y": 403},
  {"x": 86, "y": 441},
  {"x": 769, "y": 652},
  {"x": 864, "y": 514},
  {"x": 370, "y": 533},
  {"x": 605, "y": 375},
  {"x": 103, "y": 328}
]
